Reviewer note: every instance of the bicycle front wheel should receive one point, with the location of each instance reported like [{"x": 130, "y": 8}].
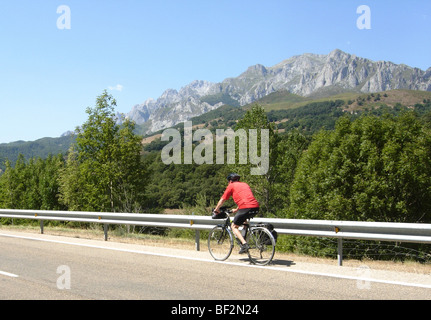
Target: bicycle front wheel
[
  {"x": 262, "y": 246},
  {"x": 220, "y": 243}
]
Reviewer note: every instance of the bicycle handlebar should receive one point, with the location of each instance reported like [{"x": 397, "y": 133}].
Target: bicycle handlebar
[{"x": 224, "y": 213}]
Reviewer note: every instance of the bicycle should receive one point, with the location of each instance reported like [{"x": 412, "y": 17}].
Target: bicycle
[{"x": 259, "y": 238}]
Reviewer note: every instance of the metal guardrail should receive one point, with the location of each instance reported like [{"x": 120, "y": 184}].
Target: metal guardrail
[{"x": 381, "y": 231}]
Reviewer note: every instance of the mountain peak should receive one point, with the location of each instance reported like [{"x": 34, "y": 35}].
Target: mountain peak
[
  {"x": 256, "y": 70},
  {"x": 337, "y": 54}
]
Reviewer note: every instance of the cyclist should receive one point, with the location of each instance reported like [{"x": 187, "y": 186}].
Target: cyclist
[{"x": 247, "y": 204}]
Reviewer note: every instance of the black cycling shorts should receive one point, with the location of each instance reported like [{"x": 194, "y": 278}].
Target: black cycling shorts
[{"x": 244, "y": 214}]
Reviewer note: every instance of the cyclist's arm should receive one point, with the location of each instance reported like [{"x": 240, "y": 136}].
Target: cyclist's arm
[
  {"x": 219, "y": 204},
  {"x": 226, "y": 195}
]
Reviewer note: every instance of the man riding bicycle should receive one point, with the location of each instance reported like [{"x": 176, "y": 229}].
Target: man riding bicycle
[{"x": 247, "y": 204}]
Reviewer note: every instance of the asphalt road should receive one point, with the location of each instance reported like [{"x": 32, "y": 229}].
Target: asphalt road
[{"x": 51, "y": 267}]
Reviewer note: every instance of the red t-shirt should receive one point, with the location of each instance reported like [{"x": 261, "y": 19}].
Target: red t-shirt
[{"x": 241, "y": 194}]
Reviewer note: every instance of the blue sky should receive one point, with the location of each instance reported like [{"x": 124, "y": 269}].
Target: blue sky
[{"x": 137, "y": 49}]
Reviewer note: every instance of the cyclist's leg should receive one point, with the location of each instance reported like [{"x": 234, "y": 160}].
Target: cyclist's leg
[
  {"x": 239, "y": 219},
  {"x": 235, "y": 230}
]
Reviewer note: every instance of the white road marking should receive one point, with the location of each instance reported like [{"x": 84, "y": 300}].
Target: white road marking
[
  {"x": 8, "y": 274},
  {"x": 401, "y": 283}
]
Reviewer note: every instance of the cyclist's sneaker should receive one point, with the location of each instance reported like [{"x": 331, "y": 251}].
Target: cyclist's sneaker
[{"x": 244, "y": 248}]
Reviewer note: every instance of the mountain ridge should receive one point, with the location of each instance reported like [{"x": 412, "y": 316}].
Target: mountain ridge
[{"x": 306, "y": 75}]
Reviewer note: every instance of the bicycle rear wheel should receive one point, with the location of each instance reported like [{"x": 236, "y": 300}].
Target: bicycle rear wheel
[
  {"x": 262, "y": 246},
  {"x": 220, "y": 243}
]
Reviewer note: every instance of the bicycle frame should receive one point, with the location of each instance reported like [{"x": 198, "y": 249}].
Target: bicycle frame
[{"x": 228, "y": 223}]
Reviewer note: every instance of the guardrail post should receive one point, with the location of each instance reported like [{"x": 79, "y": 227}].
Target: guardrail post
[
  {"x": 197, "y": 240},
  {"x": 105, "y": 230},
  {"x": 41, "y": 226},
  {"x": 340, "y": 251},
  {"x": 197, "y": 236}
]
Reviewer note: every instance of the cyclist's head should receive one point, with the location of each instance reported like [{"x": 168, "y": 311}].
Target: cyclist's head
[{"x": 233, "y": 177}]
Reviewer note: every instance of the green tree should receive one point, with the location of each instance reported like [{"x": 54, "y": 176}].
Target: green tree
[
  {"x": 48, "y": 184},
  {"x": 11, "y": 186},
  {"x": 286, "y": 154},
  {"x": 261, "y": 183},
  {"x": 32, "y": 184},
  {"x": 370, "y": 169},
  {"x": 104, "y": 169},
  {"x": 178, "y": 185}
]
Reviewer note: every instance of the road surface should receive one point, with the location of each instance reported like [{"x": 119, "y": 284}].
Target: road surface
[{"x": 35, "y": 266}]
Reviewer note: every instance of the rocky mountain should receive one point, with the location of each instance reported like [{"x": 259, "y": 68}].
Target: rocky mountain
[{"x": 308, "y": 75}]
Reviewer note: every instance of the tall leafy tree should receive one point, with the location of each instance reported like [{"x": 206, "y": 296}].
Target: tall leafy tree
[
  {"x": 104, "y": 169},
  {"x": 287, "y": 153},
  {"x": 263, "y": 149},
  {"x": 373, "y": 168},
  {"x": 48, "y": 182}
]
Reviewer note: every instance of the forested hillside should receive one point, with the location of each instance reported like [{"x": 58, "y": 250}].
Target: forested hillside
[{"x": 40, "y": 148}]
